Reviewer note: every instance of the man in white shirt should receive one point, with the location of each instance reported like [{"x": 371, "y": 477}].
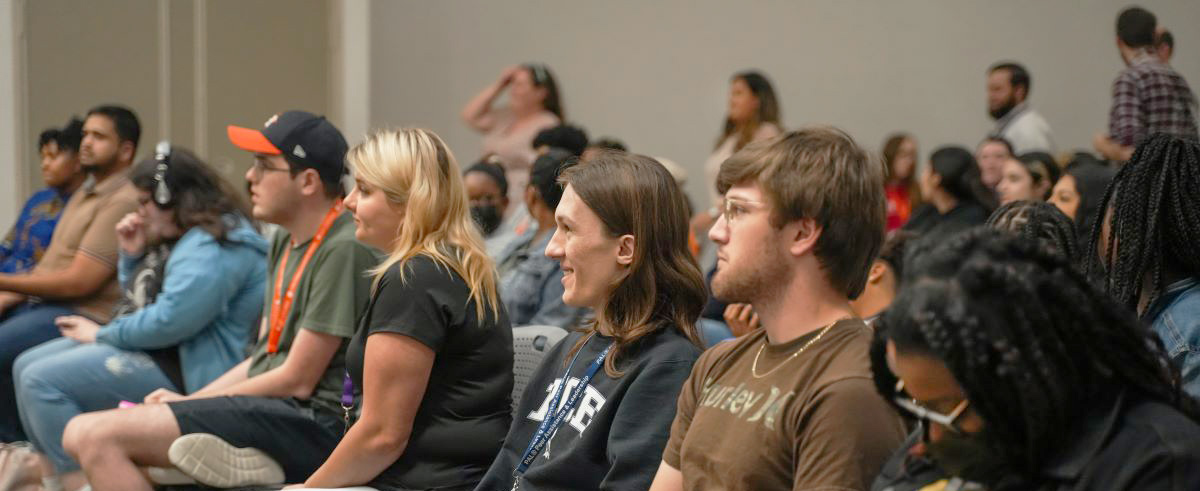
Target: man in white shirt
[{"x": 1007, "y": 88}]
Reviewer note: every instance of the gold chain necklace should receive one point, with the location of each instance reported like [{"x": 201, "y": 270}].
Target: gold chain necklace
[{"x": 754, "y": 367}]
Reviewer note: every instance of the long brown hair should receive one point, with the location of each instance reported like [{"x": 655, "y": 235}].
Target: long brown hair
[
  {"x": 891, "y": 148},
  {"x": 542, "y": 77},
  {"x": 635, "y": 195},
  {"x": 768, "y": 110}
]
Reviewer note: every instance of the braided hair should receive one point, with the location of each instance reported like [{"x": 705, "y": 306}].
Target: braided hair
[
  {"x": 1038, "y": 220},
  {"x": 1030, "y": 340},
  {"x": 1151, "y": 221}
]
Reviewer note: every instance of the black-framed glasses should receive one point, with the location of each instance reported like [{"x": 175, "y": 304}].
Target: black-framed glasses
[
  {"x": 261, "y": 167},
  {"x": 948, "y": 421}
]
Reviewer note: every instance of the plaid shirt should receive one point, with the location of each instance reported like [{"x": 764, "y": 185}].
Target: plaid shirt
[{"x": 1151, "y": 97}]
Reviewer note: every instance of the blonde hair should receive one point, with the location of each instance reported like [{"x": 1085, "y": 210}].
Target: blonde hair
[{"x": 414, "y": 168}]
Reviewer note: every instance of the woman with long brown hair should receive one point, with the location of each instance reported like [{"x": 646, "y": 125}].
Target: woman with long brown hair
[
  {"x": 622, "y": 242},
  {"x": 753, "y": 115},
  {"x": 903, "y": 192}
]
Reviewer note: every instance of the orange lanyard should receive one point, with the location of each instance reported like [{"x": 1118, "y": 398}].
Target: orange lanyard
[{"x": 281, "y": 303}]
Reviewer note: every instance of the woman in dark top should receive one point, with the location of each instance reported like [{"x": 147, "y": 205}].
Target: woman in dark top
[
  {"x": 433, "y": 354},
  {"x": 1079, "y": 192},
  {"x": 1025, "y": 376},
  {"x": 955, "y": 198},
  {"x": 622, "y": 241}
]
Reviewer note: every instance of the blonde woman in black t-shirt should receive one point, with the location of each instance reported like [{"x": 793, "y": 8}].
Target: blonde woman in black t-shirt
[{"x": 433, "y": 354}]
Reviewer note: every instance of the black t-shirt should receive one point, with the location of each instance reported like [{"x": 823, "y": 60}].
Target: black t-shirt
[
  {"x": 614, "y": 438},
  {"x": 465, "y": 411}
]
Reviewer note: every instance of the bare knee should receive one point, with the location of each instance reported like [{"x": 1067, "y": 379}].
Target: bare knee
[
  {"x": 82, "y": 432},
  {"x": 141, "y": 434}
]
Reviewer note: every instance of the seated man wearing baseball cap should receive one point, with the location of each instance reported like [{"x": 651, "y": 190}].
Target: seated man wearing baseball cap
[{"x": 285, "y": 400}]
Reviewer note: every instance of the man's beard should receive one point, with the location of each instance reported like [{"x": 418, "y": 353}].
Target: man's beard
[
  {"x": 98, "y": 165},
  {"x": 1003, "y": 110},
  {"x": 758, "y": 278}
]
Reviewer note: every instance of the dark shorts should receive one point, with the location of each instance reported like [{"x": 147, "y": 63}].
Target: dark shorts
[{"x": 300, "y": 438}]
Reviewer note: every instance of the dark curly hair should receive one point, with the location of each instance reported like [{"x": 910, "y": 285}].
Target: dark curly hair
[
  {"x": 1038, "y": 220},
  {"x": 1032, "y": 343},
  {"x": 1154, "y": 225},
  {"x": 200, "y": 197}
]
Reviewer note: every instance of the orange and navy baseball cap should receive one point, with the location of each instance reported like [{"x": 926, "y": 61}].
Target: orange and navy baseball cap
[{"x": 306, "y": 140}]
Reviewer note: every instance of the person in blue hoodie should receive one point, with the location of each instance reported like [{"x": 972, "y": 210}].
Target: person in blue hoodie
[{"x": 193, "y": 271}]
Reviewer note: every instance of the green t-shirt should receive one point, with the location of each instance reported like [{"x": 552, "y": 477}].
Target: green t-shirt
[{"x": 332, "y": 295}]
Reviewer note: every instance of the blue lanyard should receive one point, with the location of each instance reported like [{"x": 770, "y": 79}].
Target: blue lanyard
[{"x": 553, "y": 418}]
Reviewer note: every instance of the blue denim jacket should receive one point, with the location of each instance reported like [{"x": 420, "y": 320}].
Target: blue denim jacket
[
  {"x": 1175, "y": 316},
  {"x": 531, "y": 287},
  {"x": 212, "y": 293}
]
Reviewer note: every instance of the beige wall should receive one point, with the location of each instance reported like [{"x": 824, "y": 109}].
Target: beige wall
[
  {"x": 74, "y": 62},
  {"x": 264, "y": 57},
  {"x": 655, "y": 74},
  {"x": 226, "y": 62},
  {"x": 11, "y": 124}
]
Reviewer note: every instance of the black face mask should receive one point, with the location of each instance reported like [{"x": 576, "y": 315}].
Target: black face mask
[
  {"x": 487, "y": 217},
  {"x": 967, "y": 456}
]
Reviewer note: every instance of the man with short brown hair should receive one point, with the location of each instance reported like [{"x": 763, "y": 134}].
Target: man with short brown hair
[
  {"x": 792, "y": 405},
  {"x": 77, "y": 274}
]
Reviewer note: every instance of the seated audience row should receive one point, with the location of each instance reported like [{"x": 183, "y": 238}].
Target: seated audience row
[
  {"x": 25, "y": 244},
  {"x": 77, "y": 273},
  {"x": 193, "y": 271},
  {"x": 384, "y": 357}
]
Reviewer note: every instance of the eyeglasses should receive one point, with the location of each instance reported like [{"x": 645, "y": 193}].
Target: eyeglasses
[
  {"x": 922, "y": 413},
  {"x": 260, "y": 167},
  {"x": 735, "y": 208}
]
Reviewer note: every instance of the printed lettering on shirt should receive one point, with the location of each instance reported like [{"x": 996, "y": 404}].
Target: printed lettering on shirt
[
  {"x": 579, "y": 417},
  {"x": 745, "y": 404}
]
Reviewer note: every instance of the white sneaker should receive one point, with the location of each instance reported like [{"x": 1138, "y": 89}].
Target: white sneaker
[
  {"x": 18, "y": 466},
  {"x": 168, "y": 476},
  {"x": 214, "y": 462}
]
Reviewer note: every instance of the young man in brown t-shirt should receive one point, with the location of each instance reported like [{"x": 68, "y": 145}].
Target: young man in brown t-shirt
[
  {"x": 791, "y": 405},
  {"x": 77, "y": 275}
]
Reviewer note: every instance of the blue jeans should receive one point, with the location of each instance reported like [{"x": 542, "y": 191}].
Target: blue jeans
[
  {"x": 23, "y": 327},
  {"x": 63, "y": 378}
]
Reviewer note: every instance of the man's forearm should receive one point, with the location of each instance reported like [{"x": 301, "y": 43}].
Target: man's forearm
[
  {"x": 238, "y": 373},
  {"x": 40, "y": 285}
]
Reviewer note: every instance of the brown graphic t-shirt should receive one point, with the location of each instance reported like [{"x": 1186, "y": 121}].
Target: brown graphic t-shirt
[{"x": 813, "y": 422}]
